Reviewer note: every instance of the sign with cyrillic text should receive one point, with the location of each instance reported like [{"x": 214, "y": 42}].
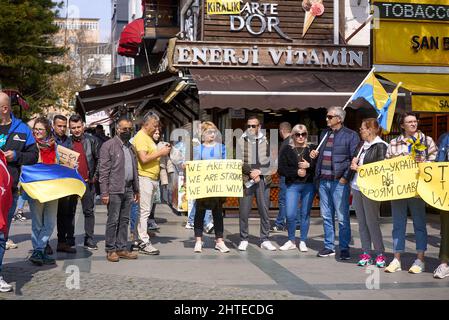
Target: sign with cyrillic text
[{"x": 391, "y": 179}]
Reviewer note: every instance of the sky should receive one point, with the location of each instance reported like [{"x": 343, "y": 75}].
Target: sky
[{"x": 91, "y": 9}]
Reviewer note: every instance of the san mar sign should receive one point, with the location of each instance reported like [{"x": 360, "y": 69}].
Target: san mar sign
[
  {"x": 415, "y": 34},
  {"x": 260, "y": 55}
]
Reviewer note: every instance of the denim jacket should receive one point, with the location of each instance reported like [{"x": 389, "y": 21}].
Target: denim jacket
[{"x": 443, "y": 148}]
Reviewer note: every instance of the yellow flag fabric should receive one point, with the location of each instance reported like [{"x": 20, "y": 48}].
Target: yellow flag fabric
[
  {"x": 390, "y": 179},
  {"x": 214, "y": 178},
  {"x": 433, "y": 185},
  {"x": 391, "y": 110}
]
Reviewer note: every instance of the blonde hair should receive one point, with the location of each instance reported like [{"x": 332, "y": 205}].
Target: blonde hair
[
  {"x": 206, "y": 125},
  {"x": 296, "y": 129}
]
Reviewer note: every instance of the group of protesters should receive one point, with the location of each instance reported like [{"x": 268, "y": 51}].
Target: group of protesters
[{"x": 127, "y": 170}]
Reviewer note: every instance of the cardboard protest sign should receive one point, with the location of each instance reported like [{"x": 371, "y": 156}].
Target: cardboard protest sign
[
  {"x": 67, "y": 157},
  {"x": 214, "y": 178},
  {"x": 390, "y": 179},
  {"x": 433, "y": 185}
]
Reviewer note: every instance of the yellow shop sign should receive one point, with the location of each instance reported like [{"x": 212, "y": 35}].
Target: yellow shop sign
[
  {"x": 223, "y": 6},
  {"x": 411, "y": 43}
]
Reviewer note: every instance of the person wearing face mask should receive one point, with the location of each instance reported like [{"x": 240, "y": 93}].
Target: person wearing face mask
[{"x": 119, "y": 186}]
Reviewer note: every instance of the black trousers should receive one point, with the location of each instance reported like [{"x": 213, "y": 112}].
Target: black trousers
[
  {"x": 66, "y": 220},
  {"x": 88, "y": 203},
  {"x": 202, "y": 205}
]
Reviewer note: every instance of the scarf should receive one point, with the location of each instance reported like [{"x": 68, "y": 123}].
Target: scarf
[{"x": 47, "y": 150}]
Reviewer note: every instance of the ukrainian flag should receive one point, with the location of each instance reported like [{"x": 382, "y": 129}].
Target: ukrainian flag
[
  {"x": 374, "y": 93},
  {"x": 47, "y": 182}
]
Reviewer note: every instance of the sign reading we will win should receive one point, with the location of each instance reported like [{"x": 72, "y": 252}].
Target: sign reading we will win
[{"x": 214, "y": 178}]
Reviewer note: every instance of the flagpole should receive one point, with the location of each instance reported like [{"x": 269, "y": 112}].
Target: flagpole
[{"x": 347, "y": 103}]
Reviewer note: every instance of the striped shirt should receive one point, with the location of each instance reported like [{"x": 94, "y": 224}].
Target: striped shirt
[
  {"x": 400, "y": 147},
  {"x": 326, "y": 165}
]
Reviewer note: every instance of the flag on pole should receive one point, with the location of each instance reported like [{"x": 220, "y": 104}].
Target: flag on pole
[{"x": 384, "y": 104}]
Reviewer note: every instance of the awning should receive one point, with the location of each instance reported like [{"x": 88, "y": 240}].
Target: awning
[
  {"x": 430, "y": 92},
  {"x": 117, "y": 94},
  {"x": 274, "y": 89},
  {"x": 131, "y": 38}
]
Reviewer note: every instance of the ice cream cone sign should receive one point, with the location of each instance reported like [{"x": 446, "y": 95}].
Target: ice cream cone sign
[{"x": 312, "y": 8}]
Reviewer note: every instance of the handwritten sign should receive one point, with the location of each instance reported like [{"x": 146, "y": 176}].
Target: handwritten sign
[
  {"x": 67, "y": 157},
  {"x": 390, "y": 179},
  {"x": 214, "y": 178},
  {"x": 433, "y": 185}
]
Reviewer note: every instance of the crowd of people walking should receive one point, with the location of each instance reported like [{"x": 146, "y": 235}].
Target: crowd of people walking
[{"x": 127, "y": 172}]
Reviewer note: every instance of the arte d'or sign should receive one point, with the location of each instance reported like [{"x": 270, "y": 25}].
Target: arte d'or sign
[{"x": 197, "y": 54}]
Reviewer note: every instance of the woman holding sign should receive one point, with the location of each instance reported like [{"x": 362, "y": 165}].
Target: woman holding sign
[
  {"x": 209, "y": 149},
  {"x": 422, "y": 148},
  {"x": 298, "y": 168},
  {"x": 372, "y": 149},
  {"x": 43, "y": 214}
]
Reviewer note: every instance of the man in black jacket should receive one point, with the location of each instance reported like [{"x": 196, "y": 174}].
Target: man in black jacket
[
  {"x": 18, "y": 144},
  {"x": 87, "y": 146}
]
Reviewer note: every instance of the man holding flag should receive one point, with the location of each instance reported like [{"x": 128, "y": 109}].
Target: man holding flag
[{"x": 333, "y": 172}]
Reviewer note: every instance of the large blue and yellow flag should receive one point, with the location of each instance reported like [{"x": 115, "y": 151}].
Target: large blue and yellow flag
[
  {"x": 374, "y": 93},
  {"x": 47, "y": 182}
]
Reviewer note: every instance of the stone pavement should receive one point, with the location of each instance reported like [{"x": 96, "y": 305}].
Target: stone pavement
[{"x": 178, "y": 273}]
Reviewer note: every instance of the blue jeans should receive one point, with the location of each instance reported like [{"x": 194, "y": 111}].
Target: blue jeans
[
  {"x": 21, "y": 202},
  {"x": 334, "y": 199},
  {"x": 133, "y": 217},
  {"x": 43, "y": 222},
  {"x": 191, "y": 216},
  {"x": 280, "y": 220},
  {"x": 305, "y": 191},
  {"x": 399, "y": 211}
]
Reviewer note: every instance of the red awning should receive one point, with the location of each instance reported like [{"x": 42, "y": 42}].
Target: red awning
[{"x": 131, "y": 38}]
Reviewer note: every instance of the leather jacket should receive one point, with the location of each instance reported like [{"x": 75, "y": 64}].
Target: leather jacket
[
  {"x": 92, "y": 149},
  {"x": 374, "y": 153}
]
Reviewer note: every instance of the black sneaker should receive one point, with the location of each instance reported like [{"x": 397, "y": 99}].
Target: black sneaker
[
  {"x": 326, "y": 253},
  {"x": 90, "y": 245},
  {"x": 37, "y": 258},
  {"x": 48, "y": 260},
  {"x": 276, "y": 228},
  {"x": 344, "y": 255}
]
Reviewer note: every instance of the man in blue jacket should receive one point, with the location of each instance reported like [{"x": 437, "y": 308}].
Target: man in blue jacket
[
  {"x": 332, "y": 171},
  {"x": 17, "y": 143}
]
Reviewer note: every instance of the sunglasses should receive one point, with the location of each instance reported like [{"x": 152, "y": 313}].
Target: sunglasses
[
  {"x": 126, "y": 129},
  {"x": 301, "y": 134},
  {"x": 329, "y": 117},
  {"x": 210, "y": 131},
  {"x": 252, "y": 126}
]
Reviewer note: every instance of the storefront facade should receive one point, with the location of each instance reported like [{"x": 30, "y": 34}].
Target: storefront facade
[{"x": 419, "y": 58}]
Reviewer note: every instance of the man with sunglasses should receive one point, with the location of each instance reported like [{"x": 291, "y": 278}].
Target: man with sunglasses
[
  {"x": 333, "y": 172},
  {"x": 119, "y": 186},
  {"x": 253, "y": 149}
]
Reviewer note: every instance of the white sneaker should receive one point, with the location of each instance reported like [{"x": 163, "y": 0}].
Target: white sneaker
[
  {"x": 4, "y": 286},
  {"x": 394, "y": 266},
  {"x": 243, "y": 245},
  {"x": 441, "y": 272},
  {"x": 198, "y": 247},
  {"x": 289, "y": 245},
  {"x": 417, "y": 267},
  {"x": 268, "y": 246},
  {"x": 303, "y": 246},
  {"x": 221, "y": 247},
  {"x": 189, "y": 226},
  {"x": 11, "y": 245}
]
